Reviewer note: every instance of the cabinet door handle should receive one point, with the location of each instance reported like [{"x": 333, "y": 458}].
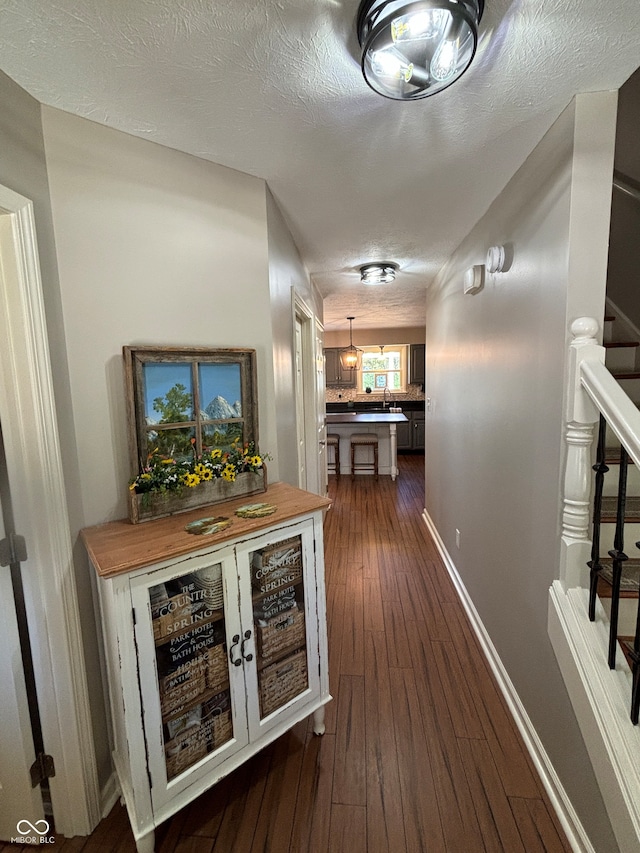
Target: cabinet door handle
[
  {"x": 247, "y": 636},
  {"x": 236, "y": 641}
]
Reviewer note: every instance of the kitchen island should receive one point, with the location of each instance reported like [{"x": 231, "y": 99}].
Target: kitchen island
[{"x": 383, "y": 424}]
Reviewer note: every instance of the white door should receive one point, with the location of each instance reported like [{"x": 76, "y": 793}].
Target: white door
[
  {"x": 321, "y": 424},
  {"x": 21, "y": 809},
  {"x": 309, "y": 390},
  {"x": 300, "y": 398},
  {"x": 39, "y": 509}
]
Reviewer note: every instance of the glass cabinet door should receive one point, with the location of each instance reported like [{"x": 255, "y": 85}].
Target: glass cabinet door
[
  {"x": 283, "y": 613},
  {"x": 187, "y": 615},
  {"x": 193, "y": 702}
]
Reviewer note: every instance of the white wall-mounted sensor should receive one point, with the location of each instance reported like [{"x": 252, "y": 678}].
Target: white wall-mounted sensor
[
  {"x": 495, "y": 259},
  {"x": 474, "y": 279}
]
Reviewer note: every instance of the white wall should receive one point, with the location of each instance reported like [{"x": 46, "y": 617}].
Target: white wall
[
  {"x": 23, "y": 169},
  {"x": 154, "y": 247},
  {"x": 495, "y": 373},
  {"x": 286, "y": 271}
]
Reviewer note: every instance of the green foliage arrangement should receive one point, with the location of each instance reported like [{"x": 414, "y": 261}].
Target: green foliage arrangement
[{"x": 166, "y": 474}]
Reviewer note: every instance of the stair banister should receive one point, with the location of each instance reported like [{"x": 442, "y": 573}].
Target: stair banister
[
  {"x": 599, "y": 695},
  {"x": 620, "y": 412},
  {"x": 582, "y": 415}
]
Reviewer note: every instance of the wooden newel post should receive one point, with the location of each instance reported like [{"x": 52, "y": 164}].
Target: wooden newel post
[{"x": 582, "y": 415}]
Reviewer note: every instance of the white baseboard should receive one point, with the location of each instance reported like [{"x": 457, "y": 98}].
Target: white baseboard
[
  {"x": 109, "y": 794},
  {"x": 567, "y": 816}
]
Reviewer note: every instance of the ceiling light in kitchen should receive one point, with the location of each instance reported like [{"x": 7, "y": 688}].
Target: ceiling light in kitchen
[{"x": 351, "y": 357}]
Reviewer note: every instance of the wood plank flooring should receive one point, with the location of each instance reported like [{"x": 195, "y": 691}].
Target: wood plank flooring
[{"x": 420, "y": 752}]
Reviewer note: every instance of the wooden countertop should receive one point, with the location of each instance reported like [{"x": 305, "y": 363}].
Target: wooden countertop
[
  {"x": 366, "y": 418},
  {"x": 119, "y": 546}
]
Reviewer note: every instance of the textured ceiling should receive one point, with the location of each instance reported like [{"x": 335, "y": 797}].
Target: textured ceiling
[{"x": 273, "y": 88}]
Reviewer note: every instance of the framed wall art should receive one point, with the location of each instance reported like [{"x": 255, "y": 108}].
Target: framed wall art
[{"x": 193, "y": 428}]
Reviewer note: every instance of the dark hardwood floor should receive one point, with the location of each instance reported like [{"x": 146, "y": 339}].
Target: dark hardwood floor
[{"x": 420, "y": 752}]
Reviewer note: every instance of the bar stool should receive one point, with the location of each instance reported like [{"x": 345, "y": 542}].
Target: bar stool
[
  {"x": 366, "y": 440},
  {"x": 333, "y": 465}
]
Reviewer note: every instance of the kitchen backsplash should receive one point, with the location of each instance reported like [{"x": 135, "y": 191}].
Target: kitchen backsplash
[{"x": 343, "y": 395}]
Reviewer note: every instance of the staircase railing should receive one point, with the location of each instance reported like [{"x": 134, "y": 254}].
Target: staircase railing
[{"x": 595, "y": 397}]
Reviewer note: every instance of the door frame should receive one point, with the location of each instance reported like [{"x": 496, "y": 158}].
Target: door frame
[
  {"x": 302, "y": 312},
  {"x": 300, "y": 401},
  {"x": 34, "y": 465},
  {"x": 18, "y": 800}
]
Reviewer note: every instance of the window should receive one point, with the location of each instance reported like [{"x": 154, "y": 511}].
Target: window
[
  {"x": 384, "y": 367},
  {"x": 182, "y": 402}
]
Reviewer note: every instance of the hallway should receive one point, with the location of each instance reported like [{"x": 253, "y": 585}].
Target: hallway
[{"x": 420, "y": 753}]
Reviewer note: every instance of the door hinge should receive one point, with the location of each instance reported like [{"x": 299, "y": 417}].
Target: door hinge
[
  {"x": 41, "y": 769},
  {"x": 13, "y": 549}
]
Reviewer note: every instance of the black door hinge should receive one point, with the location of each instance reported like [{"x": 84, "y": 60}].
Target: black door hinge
[
  {"x": 41, "y": 769},
  {"x": 13, "y": 549}
]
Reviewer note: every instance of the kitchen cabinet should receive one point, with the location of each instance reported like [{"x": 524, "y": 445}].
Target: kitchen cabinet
[
  {"x": 214, "y": 645},
  {"x": 335, "y": 375},
  {"x": 411, "y": 435},
  {"x": 416, "y": 363}
]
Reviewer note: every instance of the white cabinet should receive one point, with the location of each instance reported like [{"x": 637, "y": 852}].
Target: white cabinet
[{"x": 212, "y": 652}]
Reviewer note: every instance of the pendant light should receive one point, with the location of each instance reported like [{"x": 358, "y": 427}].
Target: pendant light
[
  {"x": 351, "y": 357},
  {"x": 411, "y": 50}
]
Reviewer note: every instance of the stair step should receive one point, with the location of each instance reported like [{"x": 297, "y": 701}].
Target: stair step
[
  {"x": 621, "y": 355},
  {"x": 609, "y": 505},
  {"x": 626, "y": 644},
  {"x": 629, "y": 583},
  {"x": 612, "y": 456},
  {"x": 626, "y": 374},
  {"x": 631, "y": 536},
  {"x": 608, "y": 328}
]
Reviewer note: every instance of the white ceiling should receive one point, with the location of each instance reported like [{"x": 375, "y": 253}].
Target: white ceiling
[{"x": 273, "y": 88}]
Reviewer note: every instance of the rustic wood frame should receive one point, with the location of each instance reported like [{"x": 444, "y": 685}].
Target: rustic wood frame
[{"x": 135, "y": 358}]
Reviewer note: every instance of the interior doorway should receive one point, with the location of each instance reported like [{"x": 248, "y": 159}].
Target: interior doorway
[
  {"x": 21, "y": 804},
  {"x": 300, "y": 401},
  {"x": 309, "y": 394},
  {"x": 38, "y": 501}
]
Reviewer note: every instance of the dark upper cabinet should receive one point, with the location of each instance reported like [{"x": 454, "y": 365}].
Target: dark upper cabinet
[
  {"x": 335, "y": 376},
  {"x": 416, "y": 363}
]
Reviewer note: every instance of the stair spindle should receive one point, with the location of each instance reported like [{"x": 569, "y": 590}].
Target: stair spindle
[
  {"x": 594, "y": 564},
  {"x": 618, "y": 556},
  {"x": 634, "y": 654}
]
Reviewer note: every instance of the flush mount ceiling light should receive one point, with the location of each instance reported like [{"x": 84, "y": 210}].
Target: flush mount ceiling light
[
  {"x": 413, "y": 50},
  {"x": 377, "y": 273},
  {"x": 351, "y": 357}
]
